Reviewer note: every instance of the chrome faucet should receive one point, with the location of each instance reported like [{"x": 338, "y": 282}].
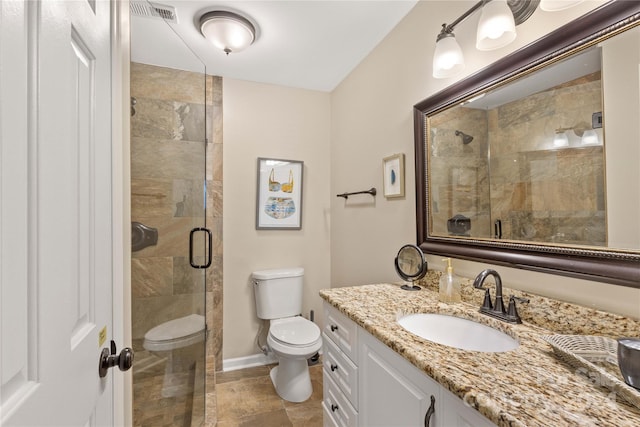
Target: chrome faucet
[{"x": 497, "y": 309}]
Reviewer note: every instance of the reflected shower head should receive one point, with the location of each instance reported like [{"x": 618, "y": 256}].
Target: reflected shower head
[{"x": 465, "y": 138}]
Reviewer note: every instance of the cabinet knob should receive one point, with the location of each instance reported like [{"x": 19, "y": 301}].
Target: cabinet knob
[
  {"x": 334, "y": 328},
  {"x": 430, "y": 412},
  {"x": 334, "y": 408},
  {"x": 333, "y": 367}
]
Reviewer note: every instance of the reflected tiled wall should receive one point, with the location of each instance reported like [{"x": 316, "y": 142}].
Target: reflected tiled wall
[
  {"x": 539, "y": 192},
  {"x": 542, "y": 193},
  {"x": 168, "y": 170},
  {"x": 459, "y": 173}
]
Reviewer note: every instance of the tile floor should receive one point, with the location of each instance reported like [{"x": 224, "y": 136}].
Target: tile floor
[
  {"x": 158, "y": 403},
  {"x": 246, "y": 398}
]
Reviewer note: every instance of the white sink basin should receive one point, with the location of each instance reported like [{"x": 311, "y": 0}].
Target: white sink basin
[{"x": 457, "y": 332}]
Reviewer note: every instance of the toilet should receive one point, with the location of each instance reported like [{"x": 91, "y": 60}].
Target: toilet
[
  {"x": 175, "y": 340},
  {"x": 292, "y": 338}
]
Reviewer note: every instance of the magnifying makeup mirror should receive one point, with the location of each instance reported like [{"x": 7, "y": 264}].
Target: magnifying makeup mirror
[{"x": 411, "y": 266}]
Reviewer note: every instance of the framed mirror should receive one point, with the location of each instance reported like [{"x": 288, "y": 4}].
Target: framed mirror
[{"x": 533, "y": 162}]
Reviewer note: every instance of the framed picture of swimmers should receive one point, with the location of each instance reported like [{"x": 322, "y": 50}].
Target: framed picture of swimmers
[{"x": 279, "y": 195}]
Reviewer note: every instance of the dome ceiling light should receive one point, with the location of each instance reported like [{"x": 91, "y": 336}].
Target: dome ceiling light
[{"x": 228, "y": 31}]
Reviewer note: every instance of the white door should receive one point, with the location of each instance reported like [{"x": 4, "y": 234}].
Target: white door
[{"x": 56, "y": 232}]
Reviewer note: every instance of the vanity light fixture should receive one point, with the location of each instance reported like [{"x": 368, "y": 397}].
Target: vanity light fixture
[
  {"x": 496, "y": 29},
  {"x": 587, "y": 135},
  {"x": 447, "y": 59},
  {"x": 228, "y": 31}
]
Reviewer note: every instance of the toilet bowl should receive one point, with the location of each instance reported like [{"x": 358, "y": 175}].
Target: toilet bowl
[
  {"x": 176, "y": 341},
  {"x": 293, "y": 340}
]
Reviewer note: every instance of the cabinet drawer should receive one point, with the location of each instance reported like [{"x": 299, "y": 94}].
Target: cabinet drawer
[
  {"x": 327, "y": 417},
  {"x": 341, "y": 370},
  {"x": 341, "y": 330},
  {"x": 336, "y": 406}
]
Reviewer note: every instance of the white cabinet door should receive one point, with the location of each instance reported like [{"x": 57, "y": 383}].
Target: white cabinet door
[
  {"x": 455, "y": 413},
  {"x": 393, "y": 393}
]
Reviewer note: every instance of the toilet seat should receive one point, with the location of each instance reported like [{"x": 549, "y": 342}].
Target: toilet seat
[
  {"x": 294, "y": 338},
  {"x": 176, "y": 333},
  {"x": 294, "y": 331}
]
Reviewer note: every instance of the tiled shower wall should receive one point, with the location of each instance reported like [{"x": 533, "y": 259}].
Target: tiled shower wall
[
  {"x": 167, "y": 169},
  {"x": 542, "y": 193},
  {"x": 459, "y": 173},
  {"x": 539, "y": 192}
]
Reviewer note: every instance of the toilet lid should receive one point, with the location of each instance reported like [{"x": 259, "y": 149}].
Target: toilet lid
[
  {"x": 176, "y": 328},
  {"x": 295, "y": 331}
]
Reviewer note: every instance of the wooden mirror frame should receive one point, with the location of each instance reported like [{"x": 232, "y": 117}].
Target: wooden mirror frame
[{"x": 608, "y": 265}]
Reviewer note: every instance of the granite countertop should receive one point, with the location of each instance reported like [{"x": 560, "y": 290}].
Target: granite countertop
[{"x": 528, "y": 386}]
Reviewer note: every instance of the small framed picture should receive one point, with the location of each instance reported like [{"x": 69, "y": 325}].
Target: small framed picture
[
  {"x": 393, "y": 176},
  {"x": 279, "y": 194}
]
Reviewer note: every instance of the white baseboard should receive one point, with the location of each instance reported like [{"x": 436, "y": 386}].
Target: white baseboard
[{"x": 248, "y": 361}]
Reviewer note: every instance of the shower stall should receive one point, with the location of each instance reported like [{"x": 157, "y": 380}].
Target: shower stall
[{"x": 176, "y": 266}]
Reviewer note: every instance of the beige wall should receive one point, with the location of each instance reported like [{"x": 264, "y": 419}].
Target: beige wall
[
  {"x": 271, "y": 121},
  {"x": 371, "y": 118}
]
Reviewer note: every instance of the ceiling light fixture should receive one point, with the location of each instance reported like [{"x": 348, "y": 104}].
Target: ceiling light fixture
[
  {"x": 496, "y": 29},
  {"x": 228, "y": 31}
]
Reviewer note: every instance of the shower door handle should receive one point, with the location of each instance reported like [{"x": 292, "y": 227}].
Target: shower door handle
[
  {"x": 497, "y": 229},
  {"x": 209, "y": 247}
]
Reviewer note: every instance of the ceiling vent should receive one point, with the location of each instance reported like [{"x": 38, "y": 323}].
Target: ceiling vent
[{"x": 153, "y": 10}]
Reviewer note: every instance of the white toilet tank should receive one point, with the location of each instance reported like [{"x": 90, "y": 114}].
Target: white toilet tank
[{"x": 278, "y": 292}]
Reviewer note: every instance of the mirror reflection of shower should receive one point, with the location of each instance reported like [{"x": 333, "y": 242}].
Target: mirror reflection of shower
[{"x": 465, "y": 138}]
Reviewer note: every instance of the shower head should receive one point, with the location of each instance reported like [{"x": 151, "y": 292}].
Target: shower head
[{"x": 465, "y": 138}]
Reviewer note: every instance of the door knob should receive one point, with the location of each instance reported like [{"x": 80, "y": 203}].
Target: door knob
[{"x": 109, "y": 359}]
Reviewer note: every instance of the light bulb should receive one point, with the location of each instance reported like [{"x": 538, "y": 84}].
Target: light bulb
[
  {"x": 447, "y": 58},
  {"x": 590, "y": 137},
  {"x": 496, "y": 27},
  {"x": 560, "y": 140}
]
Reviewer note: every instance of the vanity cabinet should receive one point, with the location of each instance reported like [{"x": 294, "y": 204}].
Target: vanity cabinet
[
  {"x": 365, "y": 383},
  {"x": 340, "y": 371}
]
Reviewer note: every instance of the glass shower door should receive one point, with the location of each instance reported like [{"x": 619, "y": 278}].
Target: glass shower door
[{"x": 170, "y": 249}]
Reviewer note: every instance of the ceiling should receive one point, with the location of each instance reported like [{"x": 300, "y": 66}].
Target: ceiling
[
  {"x": 300, "y": 43},
  {"x": 578, "y": 65}
]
